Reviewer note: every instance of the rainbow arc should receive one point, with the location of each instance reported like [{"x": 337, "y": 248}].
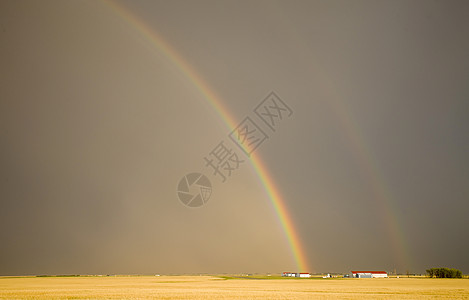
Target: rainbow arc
[{"x": 350, "y": 128}]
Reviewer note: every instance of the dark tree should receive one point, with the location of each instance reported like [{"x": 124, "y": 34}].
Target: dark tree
[{"x": 444, "y": 273}]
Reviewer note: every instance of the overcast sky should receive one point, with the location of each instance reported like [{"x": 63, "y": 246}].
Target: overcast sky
[{"x": 98, "y": 126}]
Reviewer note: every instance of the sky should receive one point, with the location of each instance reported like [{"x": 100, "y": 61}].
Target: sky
[{"x": 106, "y": 106}]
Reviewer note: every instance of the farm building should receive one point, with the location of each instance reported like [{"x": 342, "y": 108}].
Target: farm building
[
  {"x": 369, "y": 274},
  {"x": 301, "y": 275}
]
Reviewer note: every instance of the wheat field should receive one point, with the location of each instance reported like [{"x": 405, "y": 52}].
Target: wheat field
[{"x": 213, "y": 287}]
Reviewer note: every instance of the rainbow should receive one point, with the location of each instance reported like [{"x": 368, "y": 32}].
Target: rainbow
[
  {"x": 380, "y": 191},
  {"x": 351, "y": 131},
  {"x": 273, "y": 193}
]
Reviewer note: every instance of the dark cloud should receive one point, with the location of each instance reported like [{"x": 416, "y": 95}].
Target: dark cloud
[{"x": 98, "y": 126}]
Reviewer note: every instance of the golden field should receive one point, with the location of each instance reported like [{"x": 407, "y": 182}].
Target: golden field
[{"x": 213, "y": 287}]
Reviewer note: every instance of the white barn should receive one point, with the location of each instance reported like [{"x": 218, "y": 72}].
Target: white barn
[
  {"x": 300, "y": 275},
  {"x": 369, "y": 274}
]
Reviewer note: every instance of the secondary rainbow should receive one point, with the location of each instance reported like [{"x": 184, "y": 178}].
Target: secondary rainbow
[
  {"x": 377, "y": 183},
  {"x": 273, "y": 193}
]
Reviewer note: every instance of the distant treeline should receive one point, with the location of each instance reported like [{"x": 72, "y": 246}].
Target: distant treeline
[{"x": 444, "y": 273}]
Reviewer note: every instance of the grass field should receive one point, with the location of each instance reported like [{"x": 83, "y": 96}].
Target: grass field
[{"x": 214, "y": 287}]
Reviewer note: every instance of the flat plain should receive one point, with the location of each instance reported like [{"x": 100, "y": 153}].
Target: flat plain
[{"x": 215, "y": 287}]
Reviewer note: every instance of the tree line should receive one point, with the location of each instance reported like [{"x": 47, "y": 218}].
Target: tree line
[{"x": 444, "y": 273}]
